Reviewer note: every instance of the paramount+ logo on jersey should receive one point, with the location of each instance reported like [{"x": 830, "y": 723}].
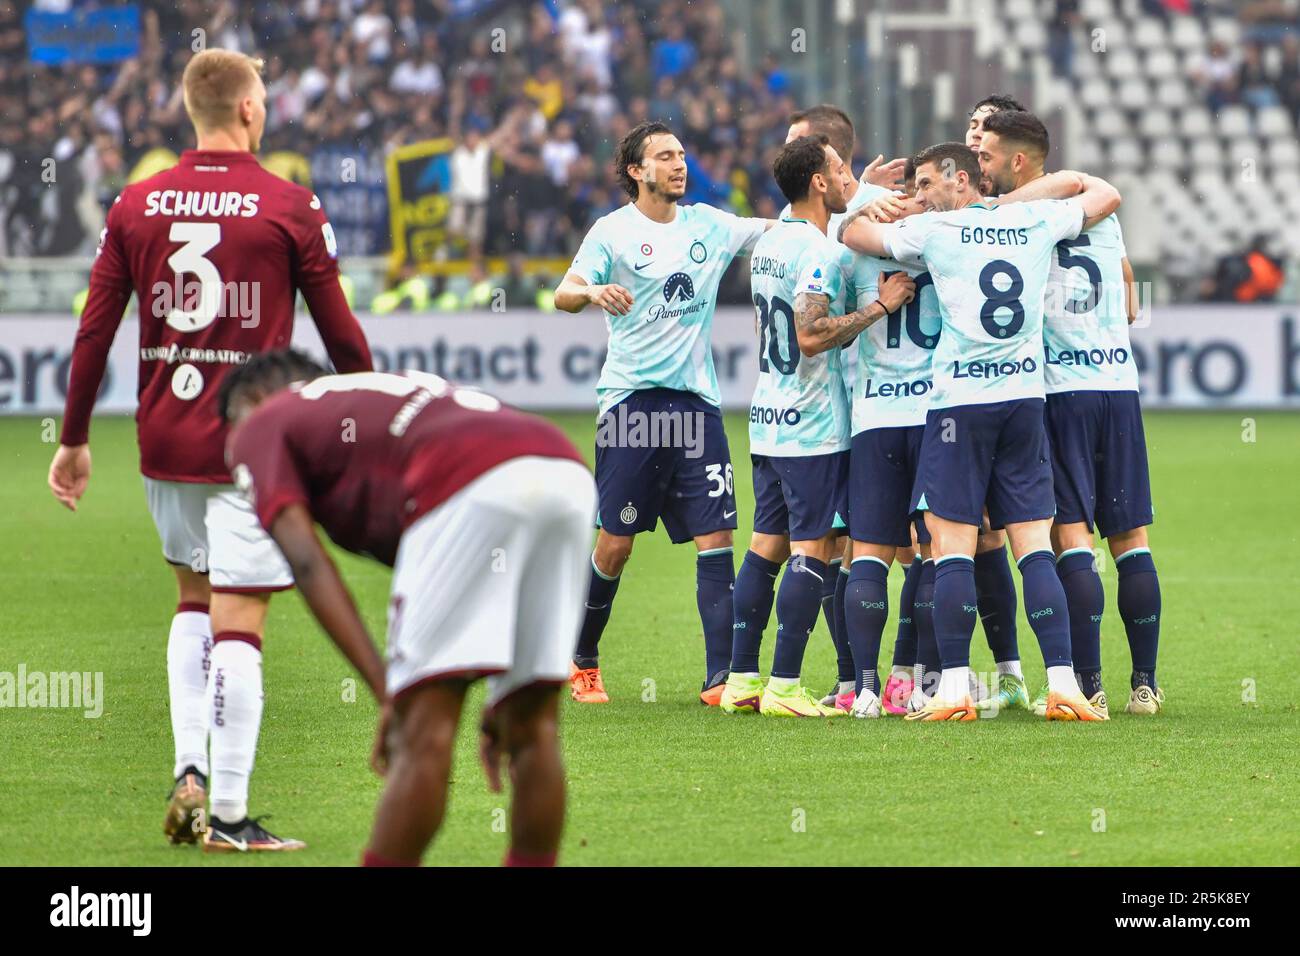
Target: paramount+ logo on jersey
[{"x": 679, "y": 293}]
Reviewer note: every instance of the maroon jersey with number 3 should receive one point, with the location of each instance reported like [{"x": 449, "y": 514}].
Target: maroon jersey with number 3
[
  {"x": 368, "y": 454},
  {"x": 214, "y": 249}
]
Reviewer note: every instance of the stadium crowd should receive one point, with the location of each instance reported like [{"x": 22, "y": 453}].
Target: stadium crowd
[
  {"x": 535, "y": 107},
  {"x": 533, "y": 95}
]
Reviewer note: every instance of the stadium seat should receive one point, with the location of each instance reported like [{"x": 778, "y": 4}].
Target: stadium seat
[
  {"x": 1242, "y": 150},
  {"x": 1031, "y": 35},
  {"x": 1187, "y": 34},
  {"x": 1126, "y": 154},
  {"x": 1173, "y": 93},
  {"x": 1233, "y": 121},
  {"x": 1196, "y": 121},
  {"x": 1155, "y": 122},
  {"x": 1283, "y": 154},
  {"x": 1162, "y": 64},
  {"x": 1110, "y": 123},
  {"x": 1097, "y": 9},
  {"x": 1206, "y": 153},
  {"x": 1274, "y": 122},
  {"x": 1149, "y": 34},
  {"x": 1087, "y": 154},
  {"x": 1087, "y": 64},
  {"x": 1226, "y": 30},
  {"x": 1095, "y": 93},
  {"x": 1168, "y": 154},
  {"x": 1134, "y": 94},
  {"x": 1122, "y": 63}
]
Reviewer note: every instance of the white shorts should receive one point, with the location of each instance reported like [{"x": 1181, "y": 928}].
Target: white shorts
[
  {"x": 492, "y": 582},
  {"x": 213, "y": 529}
]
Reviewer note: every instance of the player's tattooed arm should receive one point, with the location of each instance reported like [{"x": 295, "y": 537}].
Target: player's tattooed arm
[
  {"x": 319, "y": 583},
  {"x": 819, "y": 331}
]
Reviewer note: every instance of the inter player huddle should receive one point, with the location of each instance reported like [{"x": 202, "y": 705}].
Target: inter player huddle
[
  {"x": 936, "y": 369},
  {"x": 942, "y": 369}
]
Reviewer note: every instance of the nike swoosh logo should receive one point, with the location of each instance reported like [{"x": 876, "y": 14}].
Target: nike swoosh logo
[
  {"x": 642, "y": 265},
  {"x": 241, "y": 845},
  {"x": 727, "y": 514}
]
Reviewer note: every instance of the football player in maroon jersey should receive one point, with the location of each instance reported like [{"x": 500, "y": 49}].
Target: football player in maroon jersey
[
  {"x": 215, "y": 250},
  {"x": 484, "y": 513}
]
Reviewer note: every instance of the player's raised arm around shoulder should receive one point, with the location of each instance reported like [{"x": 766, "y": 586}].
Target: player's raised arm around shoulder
[
  {"x": 318, "y": 580},
  {"x": 316, "y": 274},
  {"x": 862, "y": 235},
  {"x": 1065, "y": 184},
  {"x": 1099, "y": 199},
  {"x": 110, "y": 291}
]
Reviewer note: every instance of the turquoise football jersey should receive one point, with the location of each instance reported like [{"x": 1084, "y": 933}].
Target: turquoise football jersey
[
  {"x": 989, "y": 266},
  {"x": 894, "y": 353},
  {"x": 799, "y": 406},
  {"x": 1085, "y": 323},
  {"x": 865, "y": 193},
  {"x": 672, "y": 270}
]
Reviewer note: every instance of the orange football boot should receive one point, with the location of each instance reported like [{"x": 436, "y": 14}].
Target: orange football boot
[
  {"x": 1061, "y": 707},
  {"x": 937, "y": 709},
  {"x": 585, "y": 685}
]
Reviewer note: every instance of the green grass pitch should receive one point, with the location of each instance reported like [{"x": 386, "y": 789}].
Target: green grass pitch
[{"x": 656, "y": 778}]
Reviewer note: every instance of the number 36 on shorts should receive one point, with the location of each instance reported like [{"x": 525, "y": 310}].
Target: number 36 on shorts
[{"x": 721, "y": 474}]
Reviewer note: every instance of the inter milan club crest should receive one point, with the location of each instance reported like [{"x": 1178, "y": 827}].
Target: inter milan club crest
[
  {"x": 628, "y": 514},
  {"x": 698, "y": 252}
]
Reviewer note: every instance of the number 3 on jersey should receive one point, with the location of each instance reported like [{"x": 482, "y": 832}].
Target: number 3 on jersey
[{"x": 199, "y": 238}]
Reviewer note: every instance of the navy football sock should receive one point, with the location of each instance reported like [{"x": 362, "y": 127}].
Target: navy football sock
[
  {"x": 996, "y": 596},
  {"x": 600, "y": 598},
  {"x": 927, "y": 648},
  {"x": 866, "y": 608},
  {"x": 1139, "y": 606},
  {"x": 843, "y": 650},
  {"x": 905, "y": 642},
  {"x": 715, "y": 578},
  {"x": 797, "y": 601},
  {"x": 1046, "y": 608},
  {"x": 955, "y": 609},
  {"x": 1086, "y": 600},
  {"x": 755, "y": 591}
]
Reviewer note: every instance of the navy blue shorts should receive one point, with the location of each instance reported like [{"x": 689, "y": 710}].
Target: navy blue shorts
[
  {"x": 1099, "y": 460},
  {"x": 800, "y": 495},
  {"x": 882, "y": 471},
  {"x": 662, "y": 453},
  {"x": 994, "y": 455}
]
